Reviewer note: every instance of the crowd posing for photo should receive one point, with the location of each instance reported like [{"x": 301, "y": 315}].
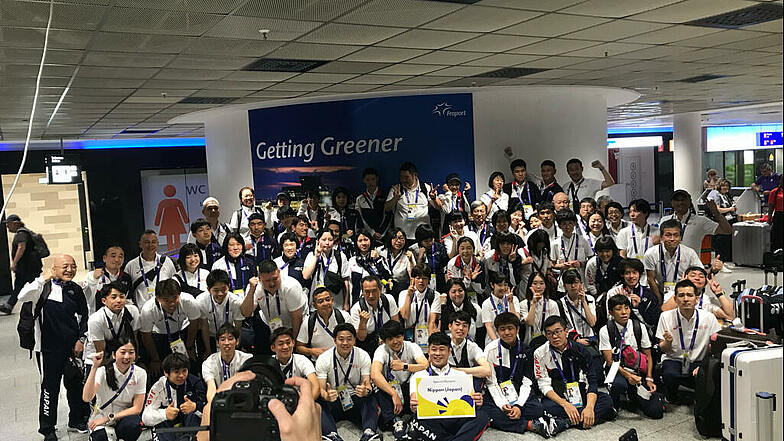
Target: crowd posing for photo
[{"x": 562, "y": 307}]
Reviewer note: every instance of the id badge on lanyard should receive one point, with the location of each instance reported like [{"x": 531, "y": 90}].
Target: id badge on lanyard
[
  {"x": 509, "y": 392},
  {"x": 344, "y": 396},
  {"x": 421, "y": 336},
  {"x": 573, "y": 394},
  {"x": 396, "y": 386},
  {"x": 177, "y": 346}
]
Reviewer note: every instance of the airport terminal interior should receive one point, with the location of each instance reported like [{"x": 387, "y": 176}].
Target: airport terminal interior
[{"x": 619, "y": 159}]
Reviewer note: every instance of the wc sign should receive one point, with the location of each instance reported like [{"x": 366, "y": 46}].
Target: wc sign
[{"x": 172, "y": 200}]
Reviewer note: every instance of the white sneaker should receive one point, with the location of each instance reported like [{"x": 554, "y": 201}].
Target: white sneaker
[{"x": 726, "y": 270}]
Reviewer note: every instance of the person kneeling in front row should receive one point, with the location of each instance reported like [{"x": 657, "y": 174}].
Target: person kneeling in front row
[{"x": 567, "y": 378}]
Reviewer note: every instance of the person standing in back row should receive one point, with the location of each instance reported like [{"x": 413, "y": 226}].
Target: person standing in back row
[
  {"x": 25, "y": 263},
  {"x": 581, "y": 187}
]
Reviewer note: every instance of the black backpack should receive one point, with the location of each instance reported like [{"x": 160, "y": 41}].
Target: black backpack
[
  {"x": 40, "y": 248},
  {"x": 27, "y": 316},
  {"x": 707, "y": 397},
  {"x": 384, "y": 304},
  {"x": 312, "y": 322}
]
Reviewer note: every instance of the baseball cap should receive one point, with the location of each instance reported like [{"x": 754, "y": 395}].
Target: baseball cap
[
  {"x": 681, "y": 194},
  {"x": 209, "y": 202},
  {"x": 283, "y": 195},
  {"x": 13, "y": 218},
  {"x": 452, "y": 177}
]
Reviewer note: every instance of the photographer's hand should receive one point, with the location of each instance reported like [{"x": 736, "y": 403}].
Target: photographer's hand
[
  {"x": 204, "y": 435},
  {"x": 305, "y": 424}
]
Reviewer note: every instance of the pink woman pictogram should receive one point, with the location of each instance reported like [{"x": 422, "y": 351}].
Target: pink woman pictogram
[{"x": 171, "y": 218}]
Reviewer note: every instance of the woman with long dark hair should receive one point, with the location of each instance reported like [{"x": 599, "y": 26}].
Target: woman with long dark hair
[
  {"x": 452, "y": 299},
  {"x": 536, "y": 308}
]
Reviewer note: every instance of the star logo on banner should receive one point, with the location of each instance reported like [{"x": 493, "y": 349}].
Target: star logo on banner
[{"x": 440, "y": 109}]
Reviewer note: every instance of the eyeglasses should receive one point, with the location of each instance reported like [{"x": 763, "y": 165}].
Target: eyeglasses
[{"x": 554, "y": 333}]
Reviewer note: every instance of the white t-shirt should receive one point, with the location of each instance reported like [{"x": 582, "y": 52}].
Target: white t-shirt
[
  {"x": 653, "y": 262},
  {"x": 638, "y": 243},
  {"x": 411, "y": 209},
  {"x": 628, "y": 338},
  {"x": 350, "y": 370},
  {"x": 448, "y": 241},
  {"x": 99, "y": 328},
  {"x": 435, "y": 308},
  {"x": 137, "y": 385},
  {"x": 575, "y": 314},
  {"x": 694, "y": 228},
  {"x": 240, "y": 223},
  {"x": 91, "y": 286},
  {"x": 398, "y": 265},
  {"x": 668, "y": 321},
  {"x": 289, "y": 298},
  {"x": 152, "y": 317},
  {"x": 586, "y": 188},
  {"x": 564, "y": 249},
  {"x": 331, "y": 265},
  {"x": 298, "y": 366},
  {"x": 542, "y": 313},
  {"x": 219, "y": 313},
  {"x": 502, "y": 203},
  {"x": 409, "y": 353},
  {"x": 321, "y": 337},
  {"x": 374, "y": 312},
  {"x": 420, "y": 307},
  {"x": 146, "y": 289},
  {"x": 215, "y": 369}
]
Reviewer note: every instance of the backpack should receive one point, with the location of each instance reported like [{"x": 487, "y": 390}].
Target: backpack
[
  {"x": 27, "y": 316},
  {"x": 40, "y": 247},
  {"x": 312, "y": 322},
  {"x": 384, "y": 305},
  {"x": 629, "y": 357}
]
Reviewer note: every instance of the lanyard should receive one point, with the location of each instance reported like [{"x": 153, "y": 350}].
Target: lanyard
[
  {"x": 693, "y": 334},
  {"x": 421, "y": 306},
  {"x": 166, "y": 320},
  {"x": 336, "y": 365},
  {"x": 263, "y": 249},
  {"x": 430, "y": 370},
  {"x": 389, "y": 364},
  {"x": 452, "y": 353},
  {"x": 240, "y": 274},
  {"x": 501, "y": 363},
  {"x": 157, "y": 271},
  {"x": 582, "y": 225},
  {"x": 495, "y": 308},
  {"x": 416, "y": 197},
  {"x": 572, "y": 308},
  {"x": 433, "y": 257},
  {"x": 286, "y": 264},
  {"x": 326, "y": 327},
  {"x": 302, "y": 245},
  {"x": 576, "y": 242},
  {"x": 574, "y": 190},
  {"x": 119, "y": 391},
  {"x": 634, "y": 238},
  {"x": 558, "y": 365},
  {"x": 368, "y": 200},
  {"x": 277, "y": 301},
  {"x": 623, "y": 339},
  {"x": 685, "y": 224},
  {"x": 392, "y": 263},
  {"x": 489, "y": 194},
  {"x": 114, "y": 334},
  {"x": 519, "y": 193},
  {"x": 288, "y": 370},
  {"x": 168, "y": 391},
  {"x": 590, "y": 242},
  {"x": 664, "y": 266},
  {"x": 544, "y": 312},
  {"x": 198, "y": 278},
  {"x": 226, "y": 368},
  {"x": 324, "y": 273},
  {"x": 214, "y": 317}
]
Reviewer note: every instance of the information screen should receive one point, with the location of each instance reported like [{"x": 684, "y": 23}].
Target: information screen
[
  {"x": 62, "y": 169},
  {"x": 765, "y": 139}
]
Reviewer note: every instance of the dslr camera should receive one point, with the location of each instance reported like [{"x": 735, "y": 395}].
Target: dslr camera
[{"x": 242, "y": 413}]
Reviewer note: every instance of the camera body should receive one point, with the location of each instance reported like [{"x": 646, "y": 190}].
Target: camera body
[{"x": 242, "y": 413}]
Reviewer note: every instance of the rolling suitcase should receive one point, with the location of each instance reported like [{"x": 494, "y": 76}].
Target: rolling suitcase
[
  {"x": 744, "y": 373},
  {"x": 749, "y": 241}
]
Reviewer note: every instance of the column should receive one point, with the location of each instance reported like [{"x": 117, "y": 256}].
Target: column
[{"x": 687, "y": 153}]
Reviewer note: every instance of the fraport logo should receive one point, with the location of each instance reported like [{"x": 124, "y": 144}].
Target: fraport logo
[{"x": 445, "y": 110}]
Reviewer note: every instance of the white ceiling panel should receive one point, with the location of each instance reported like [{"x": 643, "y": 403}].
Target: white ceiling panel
[
  {"x": 691, "y": 10},
  {"x": 608, "y": 50},
  {"x": 259, "y": 76},
  {"x": 481, "y": 19},
  {"x": 203, "y": 62},
  {"x": 615, "y": 8},
  {"x": 409, "y": 69},
  {"x": 137, "y": 20},
  {"x": 656, "y": 52},
  {"x": 377, "y": 79},
  {"x": 116, "y": 72},
  {"x": 463, "y": 71},
  {"x": 719, "y": 38},
  {"x": 407, "y": 13},
  {"x": 96, "y": 58},
  {"x": 426, "y": 80},
  {"x": 339, "y": 33},
  {"x": 348, "y": 88},
  {"x": 701, "y": 54},
  {"x": 553, "y": 25},
  {"x": 191, "y": 74},
  {"x": 34, "y": 38},
  {"x": 248, "y": 28},
  {"x": 671, "y": 34},
  {"x": 325, "y": 78},
  {"x": 770, "y": 26},
  {"x": 272, "y": 94},
  {"x": 312, "y": 51},
  {"x": 220, "y": 46},
  {"x": 124, "y": 42},
  {"x": 214, "y": 6},
  {"x": 615, "y": 30},
  {"x": 494, "y": 43},
  {"x": 554, "y": 46},
  {"x": 447, "y": 57},
  {"x": 349, "y": 67},
  {"x": 383, "y": 54},
  {"x": 223, "y": 93},
  {"x": 756, "y": 43},
  {"x": 533, "y": 5},
  {"x": 555, "y": 62},
  {"x": 503, "y": 60},
  {"x": 297, "y": 87},
  {"x": 320, "y": 10},
  {"x": 427, "y": 39}
]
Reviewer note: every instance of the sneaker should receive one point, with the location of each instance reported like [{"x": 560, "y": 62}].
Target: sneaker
[
  {"x": 558, "y": 425},
  {"x": 331, "y": 437},
  {"x": 5, "y": 309},
  {"x": 398, "y": 429},
  {"x": 78, "y": 428},
  {"x": 540, "y": 427},
  {"x": 51, "y": 436},
  {"x": 726, "y": 270},
  {"x": 370, "y": 435}
]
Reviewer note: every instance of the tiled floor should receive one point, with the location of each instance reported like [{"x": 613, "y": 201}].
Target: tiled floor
[{"x": 19, "y": 412}]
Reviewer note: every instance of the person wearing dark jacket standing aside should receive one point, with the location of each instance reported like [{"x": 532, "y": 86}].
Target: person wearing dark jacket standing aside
[
  {"x": 25, "y": 262},
  {"x": 521, "y": 191},
  {"x": 59, "y": 336}
]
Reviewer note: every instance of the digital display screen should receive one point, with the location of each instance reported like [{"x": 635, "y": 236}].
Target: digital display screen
[
  {"x": 63, "y": 170},
  {"x": 765, "y": 139}
]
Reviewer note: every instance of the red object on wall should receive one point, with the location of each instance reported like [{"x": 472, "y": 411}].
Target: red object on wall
[{"x": 612, "y": 163}]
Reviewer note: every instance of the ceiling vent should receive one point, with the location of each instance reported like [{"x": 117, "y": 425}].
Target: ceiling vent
[
  {"x": 206, "y": 100},
  {"x": 283, "y": 65},
  {"x": 510, "y": 72},
  {"x": 759, "y": 13},
  {"x": 701, "y": 78}
]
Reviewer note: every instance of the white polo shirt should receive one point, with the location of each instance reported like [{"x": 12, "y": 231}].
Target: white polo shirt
[
  {"x": 91, "y": 286},
  {"x": 137, "y": 385},
  {"x": 138, "y": 267},
  {"x": 408, "y": 354},
  {"x": 411, "y": 209},
  {"x": 215, "y": 369},
  {"x": 683, "y": 258},
  {"x": 102, "y": 326},
  {"x": 639, "y": 242},
  {"x": 448, "y": 240},
  {"x": 575, "y": 314},
  {"x": 628, "y": 338},
  {"x": 398, "y": 265},
  {"x": 330, "y": 264},
  {"x": 435, "y": 308},
  {"x": 473, "y": 352},
  {"x": 374, "y": 313},
  {"x": 420, "y": 307},
  {"x": 492, "y": 306},
  {"x": 694, "y": 228},
  {"x": 288, "y": 298},
  {"x": 668, "y": 321},
  {"x": 502, "y": 203},
  {"x": 584, "y": 188},
  {"x": 152, "y": 318},
  {"x": 542, "y": 313},
  {"x": 350, "y": 370},
  {"x": 544, "y": 361},
  {"x": 321, "y": 338},
  {"x": 564, "y": 249},
  {"x": 219, "y": 313},
  {"x": 298, "y": 366}
]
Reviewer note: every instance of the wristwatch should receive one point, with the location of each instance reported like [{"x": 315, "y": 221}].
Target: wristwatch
[
  {"x": 405, "y": 366},
  {"x": 719, "y": 294},
  {"x": 111, "y": 419}
]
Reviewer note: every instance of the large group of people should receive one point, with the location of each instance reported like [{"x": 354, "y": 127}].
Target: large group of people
[{"x": 560, "y": 308}]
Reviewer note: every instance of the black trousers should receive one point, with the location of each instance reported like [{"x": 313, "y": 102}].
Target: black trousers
[
  {"x": 126, "y": 429},
  {"x": 51, "y": 366},
  {"x": 20, "y": 278}
]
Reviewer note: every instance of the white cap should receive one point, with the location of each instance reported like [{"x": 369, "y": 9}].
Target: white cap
[{"x": 210, "y": 201}]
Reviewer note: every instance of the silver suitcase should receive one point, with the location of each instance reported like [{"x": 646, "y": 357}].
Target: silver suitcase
[{"x": 749, "y": 241}]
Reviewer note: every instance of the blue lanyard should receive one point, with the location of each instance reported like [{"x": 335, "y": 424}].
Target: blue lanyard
[
  {"x": 168, "y": 391},
  {"x": 325, "y": 326},
  {"x": 421, "y": 306},
  {"x": 111, "y": 326},
  {"x": 664, "y": 266},
  {"x": 572, "y": 308},
  {"x": 226, "y": 368},
  {"x": 215, "y": 318},
  {"x": 166, "y": 320},
  {"x": 393, "y": 264},
  {"x": 198, "y": 278},
  {"x": 119, "y": 391},
  {"x": 240, "y": 274},
  {"x": 389, "y": 364},
  {"x": 277, "y": 301},
  {"x": 263, "y": 250},
  {"x": 685, "y": 224},
  {"x": 558, "y": 365},
  {"x": 519, "y": 193},
  {"x": 336, "y": 365},
  {"x": 634, "y": 238},
  {"x": 324, "y": 274},
  {"x": 495, "y": 308},
  {"x": 575, "y": 245},
  {"x": 430, "y": 370},
  {"x": 501, "y": 363},
  {"x": 157, "y": 271},
  {"x": 416, "y": 197},
  {"x": 693, "y": 334},
  {"x": 433, "y": 257}
]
